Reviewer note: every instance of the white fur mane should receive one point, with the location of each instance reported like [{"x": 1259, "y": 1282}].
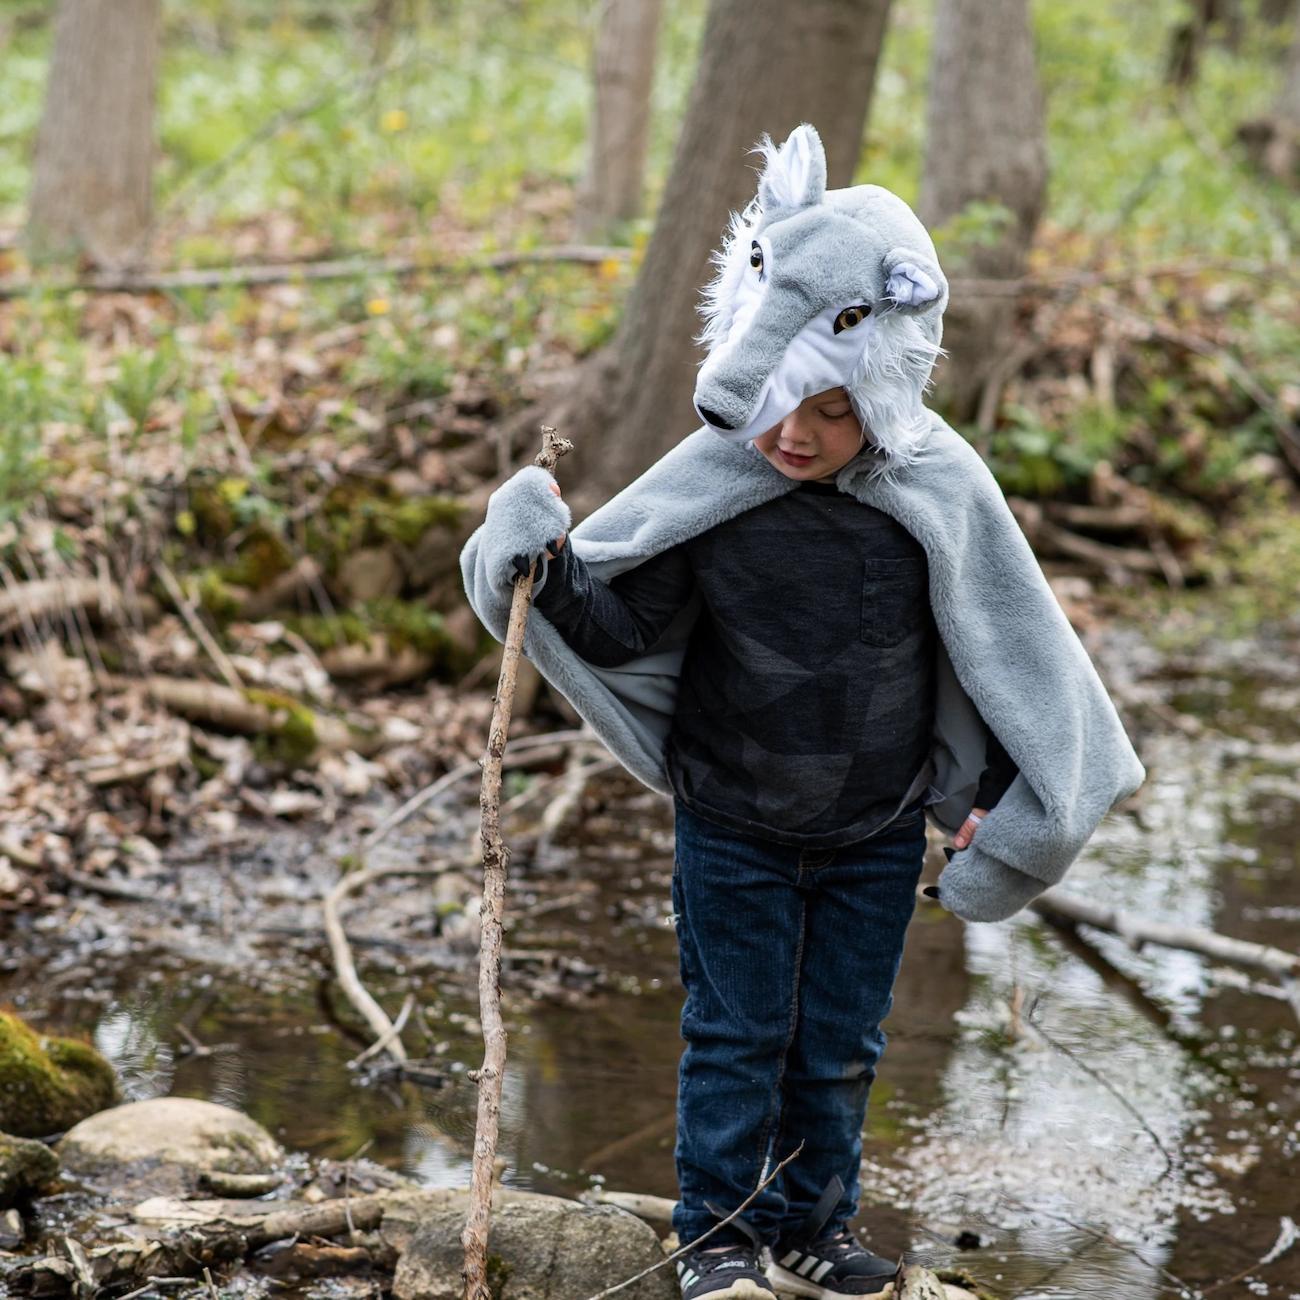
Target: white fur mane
[
  {"x": 888, "y": 389},
  {"x": 731, "y": 262}
]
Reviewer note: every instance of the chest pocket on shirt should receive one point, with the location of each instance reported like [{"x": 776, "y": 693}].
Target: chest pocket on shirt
[{"x": 894, "y": 600}]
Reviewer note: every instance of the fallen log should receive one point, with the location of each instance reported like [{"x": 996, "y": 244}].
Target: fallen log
[
  {"x": 1137, "y": 931},
  {"x": 200, "y": 1235},
  {"x": 350, "y": 268},
  {"x": 253, "y": 712},
  {"x": 29, "y": 602}
]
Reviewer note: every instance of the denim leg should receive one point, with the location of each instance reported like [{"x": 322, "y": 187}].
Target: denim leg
[
  {"x": 740, "y": 930},
  {"x": 858, "y": 909}
]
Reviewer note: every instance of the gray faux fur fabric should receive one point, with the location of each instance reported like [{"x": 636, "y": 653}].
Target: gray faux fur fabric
[{"x": 1009, "y": 660}]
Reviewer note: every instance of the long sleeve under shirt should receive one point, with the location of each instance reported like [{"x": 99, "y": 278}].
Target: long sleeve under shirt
[{"x": 806, "y": 700}]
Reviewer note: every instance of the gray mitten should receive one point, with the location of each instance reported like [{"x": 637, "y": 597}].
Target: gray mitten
[
  {"x": 978, "y": 887},
  {"x": 523, "y": 517}
]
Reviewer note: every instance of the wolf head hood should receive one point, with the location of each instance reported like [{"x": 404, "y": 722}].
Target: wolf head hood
[{"x": 816, "y": 289}]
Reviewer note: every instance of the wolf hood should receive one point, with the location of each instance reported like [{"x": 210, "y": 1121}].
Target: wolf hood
[{"x": 817, "y": 289}]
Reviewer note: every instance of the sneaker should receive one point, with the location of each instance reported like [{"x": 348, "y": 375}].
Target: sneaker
[
  {"x": 730, "y": 1273},
  {"x": 733, "y": 1274},
  {"x": 832, "y": 1266}
]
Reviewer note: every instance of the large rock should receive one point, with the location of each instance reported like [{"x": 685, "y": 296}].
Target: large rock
[
  {"x": 47, "y": 1084},
  {"x": 540, "y": 1248},
  {"x": 178, "y": 1134},
  {"x": 25, "y": 1167}
]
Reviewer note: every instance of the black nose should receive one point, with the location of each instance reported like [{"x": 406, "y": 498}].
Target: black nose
[{"x": 713, "y": 418}]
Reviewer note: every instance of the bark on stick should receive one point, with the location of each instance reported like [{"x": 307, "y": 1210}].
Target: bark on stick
[{"x": 496, "y": 858}]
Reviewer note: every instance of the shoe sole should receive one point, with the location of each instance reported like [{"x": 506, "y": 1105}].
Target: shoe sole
[
  {"x": 784, "y": 1280},
  {"x": 743, "y": 1288}
]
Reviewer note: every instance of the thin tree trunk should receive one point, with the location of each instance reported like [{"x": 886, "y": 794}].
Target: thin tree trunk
[
  {"x": 985, "y": 145},
  {"x": 1277, "y": 137},
  {"x": 92, "y": 189},
  {"x": 623, "y": 65},
  {"x": 765, "y": 66},
  {"x": 383, "y": 22},
  {"x": 1187, "y": 41}
]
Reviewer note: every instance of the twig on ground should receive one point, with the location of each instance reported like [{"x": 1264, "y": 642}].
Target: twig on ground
[
  {"x": 226, "y": 412},
  {"x": 352, "y": 268},
  {"x": 449, "y": 779},
  {"x": 496, "y": 858},
  {"x": 341, "y": 950},
  {"x": 195, "y": 625},
  {"x": 15, "y": 852},
  {"x": 572, "y": 785},
  {"x": 394, "y": 1031}
]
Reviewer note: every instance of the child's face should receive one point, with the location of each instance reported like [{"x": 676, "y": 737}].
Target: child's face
[{"x": 817, "y": 439}]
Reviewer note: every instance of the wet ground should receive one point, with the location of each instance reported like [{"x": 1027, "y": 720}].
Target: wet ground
[{"x": 1103, "y": 1122}]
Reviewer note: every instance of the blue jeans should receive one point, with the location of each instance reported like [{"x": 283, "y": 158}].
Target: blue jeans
[{"x": 789, "y": 958}]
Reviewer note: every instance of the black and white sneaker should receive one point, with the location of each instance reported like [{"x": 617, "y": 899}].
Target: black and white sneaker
[
  {"x": 731, "y": 1273},
  {"x": 834, "y": 1266}
]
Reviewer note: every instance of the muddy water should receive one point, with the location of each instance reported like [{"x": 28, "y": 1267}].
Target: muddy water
[{"x": 1102, "y": 1122}]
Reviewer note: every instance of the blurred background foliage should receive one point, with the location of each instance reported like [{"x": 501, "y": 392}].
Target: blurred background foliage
[{"x": 288, "y": 131}]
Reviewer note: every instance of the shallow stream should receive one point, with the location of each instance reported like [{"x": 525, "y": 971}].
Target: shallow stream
[{"x": 1106, "y": 1122}]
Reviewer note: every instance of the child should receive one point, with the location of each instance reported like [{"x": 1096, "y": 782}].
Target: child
[{"x": 811, "y": 623}]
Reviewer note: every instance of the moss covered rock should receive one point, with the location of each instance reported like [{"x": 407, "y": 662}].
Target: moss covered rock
[
  {"x": 25, "y": 1167},
  {"x": 48, "y": 1084}
]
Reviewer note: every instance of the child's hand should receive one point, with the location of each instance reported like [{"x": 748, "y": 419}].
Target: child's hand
[
  {"x": 558, "y": 544},
  {"x": 524, "y": 516},
  {"x": 523, "y": 563},
  {"x": 969, "y": 826},
  {"x": 963, "y": 837}
]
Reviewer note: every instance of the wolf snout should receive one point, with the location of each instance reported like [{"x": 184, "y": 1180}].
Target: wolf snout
[{"x": 714, "y": 419}]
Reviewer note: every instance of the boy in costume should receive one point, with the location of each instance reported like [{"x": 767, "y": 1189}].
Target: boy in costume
[{"x": 812, "y": 623}]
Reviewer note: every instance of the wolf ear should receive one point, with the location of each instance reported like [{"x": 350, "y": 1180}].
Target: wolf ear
[
  {"x": 794, "y": 175},
  {"x": 913, "y": 281}
]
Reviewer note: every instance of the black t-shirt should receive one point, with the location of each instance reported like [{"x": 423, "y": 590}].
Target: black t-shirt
[{"x": 806, "y": 700}]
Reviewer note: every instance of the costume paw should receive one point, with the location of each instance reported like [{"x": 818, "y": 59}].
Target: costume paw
[
  {"x": 523, "y": 517},
  {"x": 978, "y": 887}
]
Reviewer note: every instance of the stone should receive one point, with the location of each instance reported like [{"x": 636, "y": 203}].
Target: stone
[
  {"x": 11, "y": 1230},
  {"x": 47, "y": 1083},
  {"x": 25, "y": 1167},
  {"x": 540, "y": 1248},
  {"x": 180, "y": 1133}
]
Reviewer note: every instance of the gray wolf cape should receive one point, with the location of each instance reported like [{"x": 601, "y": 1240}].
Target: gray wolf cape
[{"x": 818, "y": 288}]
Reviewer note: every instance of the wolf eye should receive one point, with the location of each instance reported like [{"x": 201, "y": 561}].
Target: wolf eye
[
  {"x": 850, "y": 317},
  {"x": 756, "y": 256}
]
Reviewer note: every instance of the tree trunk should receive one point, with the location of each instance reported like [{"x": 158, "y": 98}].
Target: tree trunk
[
  {"x": 93, "y": 177},
  {"x": 623, "y": 66},
  {"x": 1273, "y": 141},
  {"x": 1187, "y": 41},
  {"x": 985, "y": 145},
  {"x": 764, "y": 66}
]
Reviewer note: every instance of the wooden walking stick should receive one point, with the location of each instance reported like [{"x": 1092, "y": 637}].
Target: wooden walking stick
[{"x": 496, "y": 858}]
